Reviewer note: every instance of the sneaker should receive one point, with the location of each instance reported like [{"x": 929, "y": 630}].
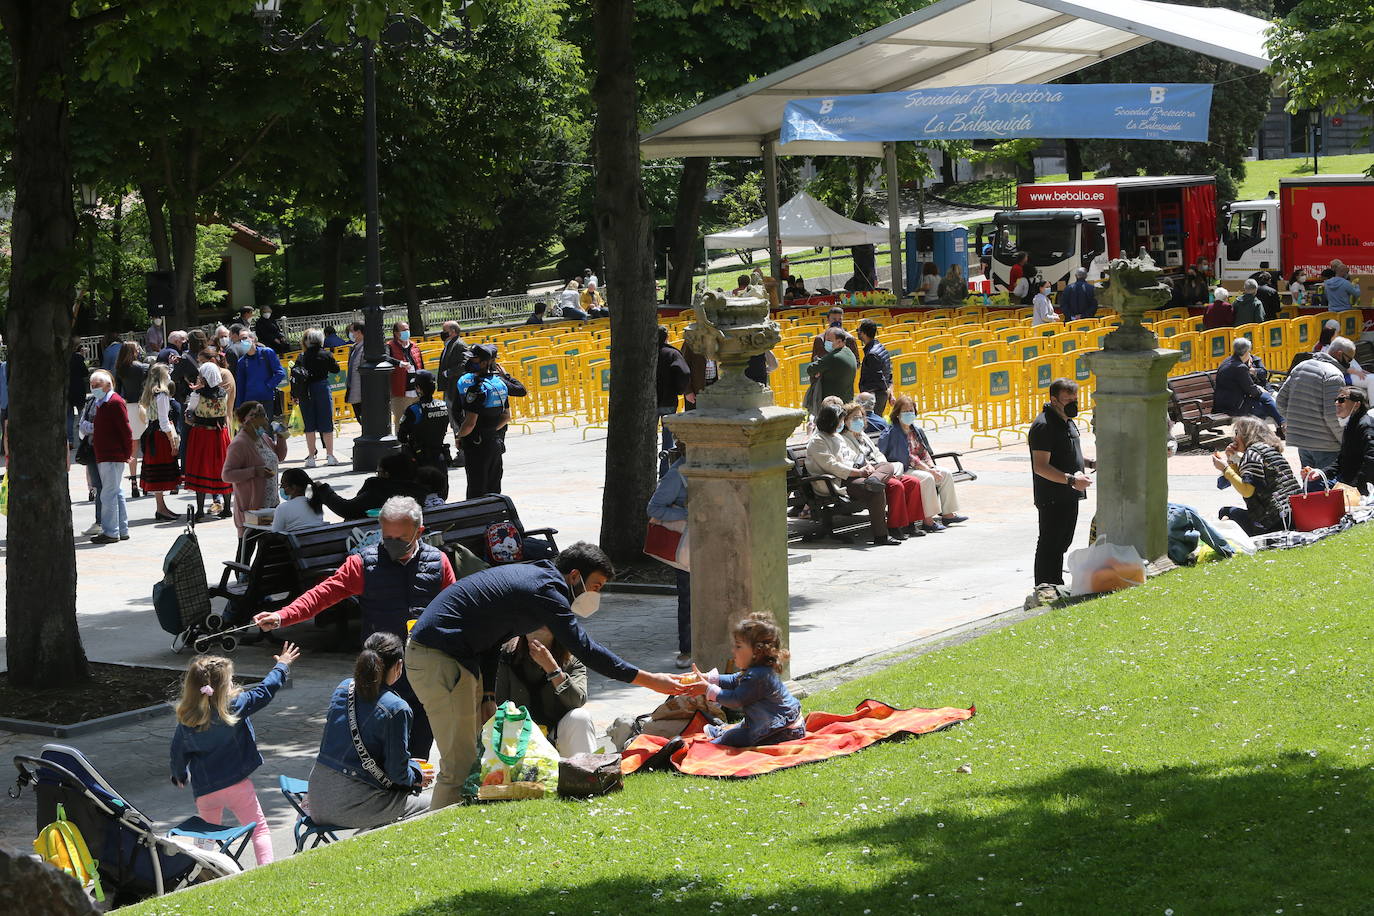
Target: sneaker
[
  {"x": 683, "y": 660},
  {"x": 1046, "y": 593},
  {"x": 310, "y": 462},
  {"x": 123, "y": 537},
  {"x": 104, "y": 539},
  {"x": 94, "y": 529},
  {"x": 331, "y": 461}
]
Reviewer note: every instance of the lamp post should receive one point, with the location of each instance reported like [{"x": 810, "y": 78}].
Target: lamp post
[
  {"x": 1314, "y": 119},
  {"x": 90, "y": 199},
  {"x": 398, "y": 31}
]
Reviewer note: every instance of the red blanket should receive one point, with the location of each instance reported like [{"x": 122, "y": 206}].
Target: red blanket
[{"x": 827, "y": 735}]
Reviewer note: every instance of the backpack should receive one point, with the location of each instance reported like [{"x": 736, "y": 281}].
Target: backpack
[
  {"x": 504, "y": 543},
  {"x": 300, "y": 380},
  {"x": 61, "y": 845},
  {"x": 360, "y": 538}
]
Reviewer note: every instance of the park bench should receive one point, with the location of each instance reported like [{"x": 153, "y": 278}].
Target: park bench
[
  {"x": 285, "y": 566},
  {"x": 1190, "y": 403}
]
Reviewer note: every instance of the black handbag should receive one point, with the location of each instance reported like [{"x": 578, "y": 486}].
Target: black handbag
[{"x": 85, "y": 452}]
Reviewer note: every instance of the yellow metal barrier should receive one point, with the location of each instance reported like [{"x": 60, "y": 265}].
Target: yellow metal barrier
[{"x": 995, "y": 391}]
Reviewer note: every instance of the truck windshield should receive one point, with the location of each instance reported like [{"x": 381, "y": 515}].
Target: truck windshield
[{"x": 1046, "y": 241}]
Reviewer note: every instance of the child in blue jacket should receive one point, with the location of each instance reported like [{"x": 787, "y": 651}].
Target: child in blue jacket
[
  {"x": 771, "y": 714},
  {"x": 214, "y": 744}
]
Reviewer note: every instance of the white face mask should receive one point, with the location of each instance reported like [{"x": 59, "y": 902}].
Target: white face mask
[
  {"x": 157, "y": 322},
  {"x": 1343, "y": 420},
  {"x": 585, "y": 602}
]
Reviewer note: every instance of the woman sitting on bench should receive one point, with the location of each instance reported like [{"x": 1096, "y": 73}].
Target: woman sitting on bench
[{"x": 829, "y": 453}]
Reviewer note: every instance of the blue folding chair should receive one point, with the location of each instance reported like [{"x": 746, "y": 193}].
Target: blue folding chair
[
  {"x": 306, "y": 828},
  {"x": 197, "y": 828}
]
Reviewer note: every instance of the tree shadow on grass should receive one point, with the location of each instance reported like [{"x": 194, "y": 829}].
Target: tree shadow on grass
[{"x": 1258, "y": 835}]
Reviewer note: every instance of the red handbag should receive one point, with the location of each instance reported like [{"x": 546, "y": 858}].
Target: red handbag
[
  {"x": 1317, "y": 510},
  {"x": 666, "y": 545}
]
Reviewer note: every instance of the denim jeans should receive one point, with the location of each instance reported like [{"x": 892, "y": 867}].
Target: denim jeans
[
  {"x": 1267, "y": 408},
  {"x": 113, "y": 520},
  {"x": 684, "y": 611},
  {"x": 1312, "y": 458}
]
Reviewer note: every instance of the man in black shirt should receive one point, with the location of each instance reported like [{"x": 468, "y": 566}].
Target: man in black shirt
[
  {"x": 875, "y": 374},
  {"x": 455, "y": 646},
  {"x": 1057, "y": 480}
]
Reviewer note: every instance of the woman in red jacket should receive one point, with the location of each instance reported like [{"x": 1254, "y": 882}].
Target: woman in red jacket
[{"x": 406, "y": 354}]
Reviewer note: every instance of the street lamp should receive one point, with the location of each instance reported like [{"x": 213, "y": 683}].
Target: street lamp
[
  {"x": 398, "y": 31},
  {"x": 1314, "y": 120}
]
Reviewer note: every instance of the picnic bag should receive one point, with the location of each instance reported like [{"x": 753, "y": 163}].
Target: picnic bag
[
  {"x": 61, "y": 845},
  {"x": 588, "y": 775},
  {"x": 1317, "y": 510},
  {"x": 667, "y": 542},
  {"x": 514, "y": 749},
  {"x": 1105, "y": 567}
]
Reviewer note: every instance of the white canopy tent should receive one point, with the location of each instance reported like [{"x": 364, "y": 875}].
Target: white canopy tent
[
  {"x": 803, "y": 220},
  {"x": 950, "y": 43}
]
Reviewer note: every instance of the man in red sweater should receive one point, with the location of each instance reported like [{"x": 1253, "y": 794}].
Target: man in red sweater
[{"x": 113, "y": 442}]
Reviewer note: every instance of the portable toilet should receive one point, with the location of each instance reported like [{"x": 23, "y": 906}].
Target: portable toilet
[{"x": 943, "y": 243}]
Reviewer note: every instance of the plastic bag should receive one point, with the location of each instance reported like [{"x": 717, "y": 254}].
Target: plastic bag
[
  {"x": 295, "y": 426},
  {"x": 1105, "y": 567},
  {"x": 514, "y": 749},
  {"x": 5, "y": 495}
]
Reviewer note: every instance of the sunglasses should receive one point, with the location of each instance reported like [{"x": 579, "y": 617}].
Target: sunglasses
[{"x": 1342, "y": 399}]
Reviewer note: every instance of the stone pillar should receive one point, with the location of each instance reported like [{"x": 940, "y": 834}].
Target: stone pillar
[
  {"x": 1130, "y": 418},
  {"x": 736, "y": 473}
]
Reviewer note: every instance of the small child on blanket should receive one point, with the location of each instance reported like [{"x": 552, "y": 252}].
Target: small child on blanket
[{"x": 771, "y": 714}]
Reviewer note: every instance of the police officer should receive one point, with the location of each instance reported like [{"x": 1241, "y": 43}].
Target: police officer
[
  {"x": 425, "y": 424},
  {"x": 486, "y": 411}
]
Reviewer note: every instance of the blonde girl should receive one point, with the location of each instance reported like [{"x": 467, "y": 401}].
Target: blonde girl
[{"x": 214, "y": 747}]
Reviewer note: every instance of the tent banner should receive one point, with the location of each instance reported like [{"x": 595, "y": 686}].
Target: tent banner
[{"x": 1117, "y": 111}]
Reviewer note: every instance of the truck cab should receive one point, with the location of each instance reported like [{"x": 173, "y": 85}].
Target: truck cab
[
  {"x": 1056, "y": 242},
  {"x": 1251, "y": 240}
]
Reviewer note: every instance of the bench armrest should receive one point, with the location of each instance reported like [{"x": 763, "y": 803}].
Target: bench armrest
[
  {"x": 831, "y": 483},
  {"x": 546, "y": 533}
]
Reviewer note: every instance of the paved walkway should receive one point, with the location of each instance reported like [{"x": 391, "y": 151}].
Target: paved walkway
[{"x": 847, "y": 602}]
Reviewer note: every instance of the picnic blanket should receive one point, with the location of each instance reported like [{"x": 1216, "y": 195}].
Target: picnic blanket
[{"x": 827, "y": 735}]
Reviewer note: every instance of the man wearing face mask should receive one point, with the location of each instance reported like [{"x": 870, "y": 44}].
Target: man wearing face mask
[
  {"x": 455, "y": 647},
  {"x": 393, "y": 582},
  {"x": 486, "y": 412},
  {"x": 451, "y": 369},
  {"x": 258, "y": 372},
  {"x": 1307, "y": 401},
  {"x": 1058, "y": 481},
  {"x": 833, "y": 373},
  {"x": 405, "y": 353},
  {"x": 269, "y": 333}
]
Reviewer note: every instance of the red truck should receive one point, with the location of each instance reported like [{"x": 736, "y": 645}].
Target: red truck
[
  {"x": 1065, "y": 225},
  {"x": 1314, "y": 220}
]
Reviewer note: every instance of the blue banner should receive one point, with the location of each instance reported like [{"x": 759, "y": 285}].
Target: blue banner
[{"x": 1119, "y": 111}]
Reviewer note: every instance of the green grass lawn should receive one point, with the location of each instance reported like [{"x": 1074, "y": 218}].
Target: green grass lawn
[
  {"x": 1263, "y": 176},
  {"x": 1199, "y": 745}
]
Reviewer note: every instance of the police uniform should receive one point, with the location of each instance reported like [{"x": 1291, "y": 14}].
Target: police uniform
[
  {"x": 423, "y": 428},
  {"x": 485, "y": 394}
]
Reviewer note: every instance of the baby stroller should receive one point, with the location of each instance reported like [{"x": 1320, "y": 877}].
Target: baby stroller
[
  {"x": 134, "y": 860},
  {"x": 182, "y": 598}
]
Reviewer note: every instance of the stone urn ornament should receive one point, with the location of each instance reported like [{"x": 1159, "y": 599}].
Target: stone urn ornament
[
  {"x": 1136, "y": 286},
  {"x": 731, "y": 330}
]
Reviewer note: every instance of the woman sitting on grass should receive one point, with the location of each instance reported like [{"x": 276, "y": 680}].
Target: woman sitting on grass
[{"x": 1254, "y": 465}]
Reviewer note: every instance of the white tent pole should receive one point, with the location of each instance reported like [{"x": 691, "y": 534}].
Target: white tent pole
[
  {"x": 770, "y": 193},
  {"x": 894, "y": 223}
]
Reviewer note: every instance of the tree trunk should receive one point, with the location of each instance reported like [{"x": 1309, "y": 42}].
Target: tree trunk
[
  {"x": 622, "y": 215},
  {"x": 331, "y": 262},
  {"x": 1073, "y": 159},
  {"x": 691, "y": 195},
  {"x": 153, "y": 204},
  {"x": 412, "y": 293},
  {"x": 43, "y": 645},
  {"x": 116, "y": 267},
  {"x": 183, "y": 220}
]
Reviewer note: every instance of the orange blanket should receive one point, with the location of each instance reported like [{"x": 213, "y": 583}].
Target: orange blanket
[{"x": 827, "y": 735}]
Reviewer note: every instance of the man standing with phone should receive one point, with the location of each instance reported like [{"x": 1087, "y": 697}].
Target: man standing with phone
[{"x": 1059, "y": 482}]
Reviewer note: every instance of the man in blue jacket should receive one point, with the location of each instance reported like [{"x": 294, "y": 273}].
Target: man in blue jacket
[
  {"x": 1079, "y": 299},
  {"x": 257, "y": 373},
  {"x": 454, "y": 648}
]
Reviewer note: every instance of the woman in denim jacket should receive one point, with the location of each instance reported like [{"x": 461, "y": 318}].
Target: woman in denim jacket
[
  {"x": 771, "y": 714},
  {"x": 348, "y": 789}
]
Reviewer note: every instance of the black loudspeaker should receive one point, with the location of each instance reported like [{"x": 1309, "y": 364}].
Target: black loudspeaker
[{"x": 161, "y": 293}]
